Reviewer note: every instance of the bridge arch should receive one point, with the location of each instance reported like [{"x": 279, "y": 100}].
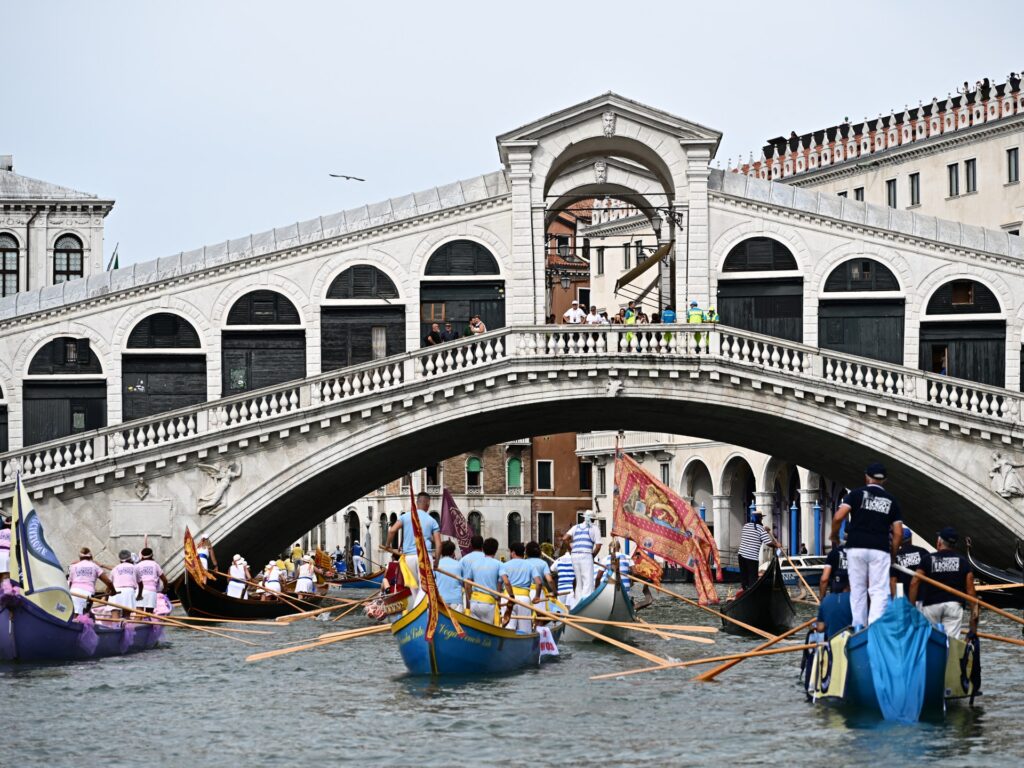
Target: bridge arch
[{"x": 64, "y": 391}]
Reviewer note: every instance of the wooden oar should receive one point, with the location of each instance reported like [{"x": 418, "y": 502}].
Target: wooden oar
[
  {"x": 289, "y": 618},
  {"x": 695, "y": 604},
  {"x": 253, "y": 623},
  {"x": 361, "y": 632},
  {"x": 159, "y": 620},
  {"x": 166, "y": 619},
  {"x": 958, "y": 593},
  {"x": 801, "y": 577},
  {"x": 708, "y": 660},
  {"x": 658, "y": 632},
  {"x": 987, "y": 587},
  {"x": 349, "y": 610},
  {"x": 1001, "y": 639},
  {"x": 711, "y": 674},
  {"x": 294, "y": 602},
  {"x": 654, "y": 629},
  {"x": 560, "y": 617}
]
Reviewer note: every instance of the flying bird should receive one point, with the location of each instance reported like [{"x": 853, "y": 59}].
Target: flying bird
[{"x": 343, "y": 176}]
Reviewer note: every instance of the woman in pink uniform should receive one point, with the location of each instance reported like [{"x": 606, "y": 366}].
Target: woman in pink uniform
[
  {"x": 150, "y": 576},
  {"x": 5, "y": 548},
  {"x": 126, "y": 580},
  {"x": 82, "y": 577}
]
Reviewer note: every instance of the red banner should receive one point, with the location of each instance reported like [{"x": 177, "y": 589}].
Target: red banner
[
  {"x": 426, "y": 576},
  {"x": 192, "y": 565},
  {"x": 660, "y": 521},
  {"x": 646, "y": 567}
]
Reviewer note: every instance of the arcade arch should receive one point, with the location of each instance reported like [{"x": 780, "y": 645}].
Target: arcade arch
[
  {"x": 162, "y": 366},
  {"x": 65, "y": 391},
  {"x": 862, "y": 311},
  {"x": 361, "y": 318},
  {"x": 262, "y": 344}
]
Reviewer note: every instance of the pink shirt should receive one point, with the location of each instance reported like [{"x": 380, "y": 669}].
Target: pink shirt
[
  {"x": 5, "y": 538},
  {"x": 124, "y": 576},
  {"x": 82, "y": 576},
  {"x": 149, "y": 573}
]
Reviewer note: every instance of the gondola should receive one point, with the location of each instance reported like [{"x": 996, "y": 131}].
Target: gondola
[
  {"x": 1018, "y": 555},
  {"x": 609, "y": 602},
  {"x": 1001, "y": 598},
  {"x": 366, "y": 581},
  {"x": 211, "y": 602},
  {"x": 765, "y": 605}
]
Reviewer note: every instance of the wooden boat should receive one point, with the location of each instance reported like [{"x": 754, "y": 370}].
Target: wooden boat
[
  {"x": 609, "y": 602},
  {"x": 366, "y": 581},
  {"x": 841, "y": 672},
  {"x": 1018, "y": 555},
  {"x": 486, "y": 649},
  {"x": 30, "y": 634},
  {"x": 210, "y": 601},
  {"x": 809, "y": 566},
  {"x": 1001, "y": 598},
  {"x": 765, "y": 605}
]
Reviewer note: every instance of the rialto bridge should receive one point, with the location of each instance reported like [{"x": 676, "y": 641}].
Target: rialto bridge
[{"x": 248, "y": 387}]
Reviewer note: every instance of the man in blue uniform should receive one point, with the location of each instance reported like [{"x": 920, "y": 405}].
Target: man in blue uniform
[
  {"x": 874, "y": 533},
  {"x": 518, "y": 577},
  {"x": 485, "y": 571},
  {"x": 540, "y": 568},
  {"x": 948, "y": 567},
  {"x": 431, "y": 533},
  {"x": 449, "y": 586}
]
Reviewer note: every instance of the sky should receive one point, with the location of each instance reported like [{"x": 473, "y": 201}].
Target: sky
[{"x": 211, "y": 120}]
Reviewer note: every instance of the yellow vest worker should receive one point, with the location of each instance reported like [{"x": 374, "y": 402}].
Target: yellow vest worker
[{"x": 695, "y": 315}]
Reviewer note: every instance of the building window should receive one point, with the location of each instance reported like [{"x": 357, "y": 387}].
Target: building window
[
  {"x": 67, "y": 259},
  {"x": 474, "y": 475},
  {"x": 890, "y": 193},
  {"x": 963, "y": 293},
  {"x": 514, "y": 473},
  {"x": 666, "y": 472},
  {"x": 858, "y": 194},
  {"x": 843, "y": 193},
  {"x": 434, "y": 474},
  {"x": 1012, "y": 166},
  {"x": 625, "y": 255},
  {"x": 586, "y": 475},
  {"x": 563, "y": 246},
  {"x": 515, "y": 528},
  {"x": 600, "y": 261},
  {"x": 586, "y": 249},
  {"x": 476, "y": 522},
  {"x": 545, "y": 475},
  {"x": 971, "y": 175},
  {"x": 8, "y": 265},
  {"x": 915, "y": 189},
  {"x": 954, "y": 179},
  {"x": 378, "y": 341},
  {"x": 602, "y": 481},
  {"x": 583, "y": 296},
  {"x": 546, "y": 527}
]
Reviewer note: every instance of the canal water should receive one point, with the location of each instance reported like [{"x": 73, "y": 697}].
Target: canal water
[{"x": 196, "y": 702}]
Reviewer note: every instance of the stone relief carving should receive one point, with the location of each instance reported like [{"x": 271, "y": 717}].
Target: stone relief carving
[
  {"x": 141, "y": 488},
  {"x": 608, "y": 119},
  {"x": 614, "y": 388},
  {"x": 600, "y": 171},
  {"x": 221, "y": 478},
  {"x": 1006, "y": 481}
]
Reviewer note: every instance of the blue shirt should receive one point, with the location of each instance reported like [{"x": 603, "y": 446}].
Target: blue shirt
[
  {"x": 835, "y": 612},
  {"x": 520, "y": 572},
  {"x": 668, "y": 316},
  {"x": 485, "y": 571},
  {"x": 541, "y": 569},
  {"x": 469, "y": 558},
  {"x": 427, "y": 523},
  {"x": 450, "y": 589},
  {"x": 357, "y": 551},
  {"x": 583, "y": 538}
]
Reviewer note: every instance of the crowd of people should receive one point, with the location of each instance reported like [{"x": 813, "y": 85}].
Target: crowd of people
[
  {"x": 631, "y": 314},
  {"x": 133, "y": 584},
  {"x": 439, "y": 335}
]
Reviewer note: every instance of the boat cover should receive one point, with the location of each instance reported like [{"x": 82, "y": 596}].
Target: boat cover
[{"x": 896, "y": 648}]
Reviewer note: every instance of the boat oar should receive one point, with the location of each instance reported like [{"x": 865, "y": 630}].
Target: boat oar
[
  {"x": 159, "y": 620},
  {"x": 999, "y": 638},
  {"x": 708, "y": 660},
  {"x": 658, "y": 632},
  {"x": 361, "y": 632},
  {"x": 349, "y": 610},
  {"x": 801, "y": 577},
  {"x": 695, "y": 604},
  {"x": 253, "y": 623},
  {"x": 560, "y": 617},
  {"x": 164, "y": 619},
  {"x": 711, "y": 674},
  {"x": 288, "y": 619},
  {"x": 292, "y": 601},
  {"x": 654, "y": 629},
  {"x": 958, "y": 593},
  {"x": 987, "y": 587}
]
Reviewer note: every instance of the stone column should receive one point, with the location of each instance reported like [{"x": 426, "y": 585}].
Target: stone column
[
  {"x": 808, "y": 497},
  {"x": 695, "y": 271},
  {"x": 721, "y": 512},
  {"x": 527, "y": 272},
  {"x": 765, "y": 501}
]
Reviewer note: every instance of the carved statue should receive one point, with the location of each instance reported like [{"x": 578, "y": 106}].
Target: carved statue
[
  {"x": 608, "y": 119},
  {"x": 221, "y": 477},
  {"x": 600, "y": 171},
  {"x": 1005, "y": 479},
  {"x": 141, "y": 488}
]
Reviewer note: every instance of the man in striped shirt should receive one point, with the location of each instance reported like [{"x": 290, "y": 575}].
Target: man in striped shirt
[
  {"x": 563, "y": 568},
  {"x": 582, "y": 539},
  {"x": 753, "y": 536}
]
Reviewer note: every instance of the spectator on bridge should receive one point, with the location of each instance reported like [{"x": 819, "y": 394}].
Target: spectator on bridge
[
  {"x": 604, "y": 319},
  {"x": 433, "y": 337},
  {"x": 668, "y": 315},
  {"x": 593, "y": 318},
  {"x": 619, "y": 318},
  {"x": 574, "y": 315},
  {"x": 695, "y": 315},
  {"x": 476, "y": 325},
  {"x": 449, "y": 333}
]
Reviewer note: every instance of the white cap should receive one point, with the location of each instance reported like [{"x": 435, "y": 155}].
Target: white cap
[
  {"x": 575, "y": 301},
  {"x": 588, "y": 514},
  {"x": 237, "y": 559}
]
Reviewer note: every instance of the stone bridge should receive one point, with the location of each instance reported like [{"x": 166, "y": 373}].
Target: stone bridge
[{"x": 256, "y": 470}]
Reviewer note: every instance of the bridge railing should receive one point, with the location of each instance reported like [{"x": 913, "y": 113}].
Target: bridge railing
[{"x": 695, "y": 342}]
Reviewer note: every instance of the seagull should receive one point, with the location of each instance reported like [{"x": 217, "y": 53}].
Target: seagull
[{"x": 343, "y": 176}]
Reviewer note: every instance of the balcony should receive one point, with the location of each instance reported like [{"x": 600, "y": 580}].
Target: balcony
[
  {"x": 474, "y": 490},
  {"x": 434, "y": 490},
  {"x": 514, "y": 490}
]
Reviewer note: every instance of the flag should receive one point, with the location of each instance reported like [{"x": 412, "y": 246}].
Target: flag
[
  {"x": 322, "y": 560},
  {"x": 426, "y": 576},
  {"x": 660, "y": 521},
  {"x": 453, "y": 523},
  {"x": 35, "y": 565},
  {"x": 646, "y": 567},
  {"x": 192, "y": 563}
]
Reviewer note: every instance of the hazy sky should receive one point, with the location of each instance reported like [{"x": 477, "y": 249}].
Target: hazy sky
[{"x": 210, "y": 120}]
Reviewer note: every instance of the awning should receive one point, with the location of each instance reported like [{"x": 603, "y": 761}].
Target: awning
[{"x": 643, "y": 266}]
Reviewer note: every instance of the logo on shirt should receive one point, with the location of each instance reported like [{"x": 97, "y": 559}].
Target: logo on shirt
[
  {"x": 946, "y": 565},
  {"x": 876, "y": 504}
]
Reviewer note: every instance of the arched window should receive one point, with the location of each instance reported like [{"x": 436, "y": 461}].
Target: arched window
[
  {"x": 515, "y": 528},
  {"x": 8, "y": 265},
  {"x": 759, "y": 254},
  {"x": 514, "y": 474},
  {"x": 461, "y": 258},
  {"x": 383, "y": 529},
  {"x": 362, "y": 281},
  {"x": 163, "y": 331},
  {"x": 476, "y": 522},
  {"x": 67, "y": 259},
  {"x": 154, "y": 381},
  {"x": 67, "y": 394},
  {"x": 64, "y": 356},
  {"x": 861, "y": 275},
  {"x": 263, "y": 308},
  {"x": 474, "y": 475},
  {"x": 963, "y": 297}
]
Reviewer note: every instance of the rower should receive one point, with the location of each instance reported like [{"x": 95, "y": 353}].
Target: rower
[
  {"x": 272, "y": 578},
  {"x": 834, "y": 576},
  {"x": 236, "y": 585},
  {"x": 948, "y": 567},
  {"x": 583, "y": 540},
  {"x": 562, "y": 567},
  {"x": 540, "y": 568},
  {"x": 485, "y": 571},
  {"x": 125, "y": 577},
  {"x": 753, "y": 536},
  {"x": 306, "y": 578},
  {"x": 358, "y": 561},
  {"x": 449, "y": 587},
  {"x": 5, "y": 549},
  {"x": 206, "y": 556},
  {"x": 82, "y": 577},
  {"x": 518, "y": 576},
  {"x": 910, "y": 557},
  {"x": 150, "y": 576},
  {"x": 624, "y": 565},
  {"x": 431, "y": 534},
  {"x": 392, "y": 581},
  {"x": 476, "y": 546}
]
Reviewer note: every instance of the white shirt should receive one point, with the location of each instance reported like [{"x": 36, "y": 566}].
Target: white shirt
[
  {"x": 594, "y": 319},
  {"x": 574, "y": 316}
]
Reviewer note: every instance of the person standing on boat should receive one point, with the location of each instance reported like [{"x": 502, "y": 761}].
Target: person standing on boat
[
  {"x": 874, "y": 533},
  {"x": 206, "y": 556},
  {"x": 753, "y": 536},
  {"x": 518, "y": 577},
  {"x": 392, "y": 581},
  {"x": 948, "y": 567},
  {"x": 485, "y": 571},
  {"x": 541, "y": 569},
  {"x": 150, "y": 576},
  {"x": 910, "y": 557},
  {"x": 272, "y": 578},
  {"x": 306, "y": 578},
  {"x": 835, "y": 577},
  {"x": 358, "y": 561},
  {"x": 583, "y": 540},
  {"x": 5, "y": 548},
  {"x": 450, "y": 587},
  {"x": 237, "y": 572},
  {"x": 125, "y": 577},
  {"x": 82, "y": 577},
  {"x": 431, "y": 534},
  {"x": 563, "y": 570}
]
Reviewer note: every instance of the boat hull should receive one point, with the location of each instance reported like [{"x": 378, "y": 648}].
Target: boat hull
[
  {"x": 212, "y": 603},
  {"x": 368, "y": 581},
  {"x": 1000, "y": 598},
  {"x": 765, "y": 605},
  {"x": 609, "y": 602}
]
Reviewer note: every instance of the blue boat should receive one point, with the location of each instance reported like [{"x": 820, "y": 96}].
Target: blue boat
[
  {"x": 366, "y": 581},
  {"x": 486, "y": 649},
  {"x": 609, "y": 602}
]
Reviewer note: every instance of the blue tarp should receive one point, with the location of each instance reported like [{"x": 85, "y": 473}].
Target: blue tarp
[{"x": 897, "y": 643}]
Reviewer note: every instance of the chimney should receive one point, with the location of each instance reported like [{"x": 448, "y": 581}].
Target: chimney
[{"x": 7, "y": 163}]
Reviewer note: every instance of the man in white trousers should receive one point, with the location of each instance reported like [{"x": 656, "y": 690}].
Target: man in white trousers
[
  {"x": 582, "y": 540},
  {"x": 874, "y": 533}
]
